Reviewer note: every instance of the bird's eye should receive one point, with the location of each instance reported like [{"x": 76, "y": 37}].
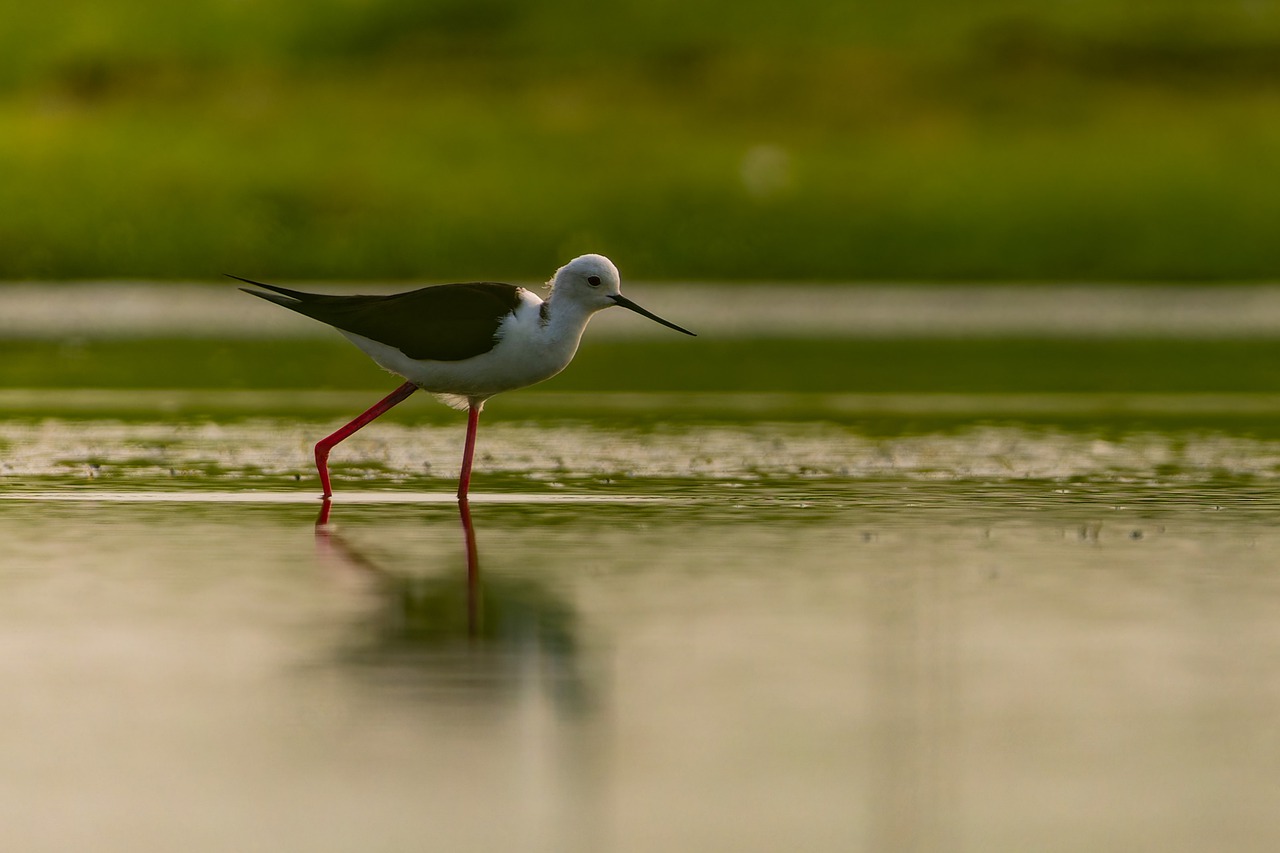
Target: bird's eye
[{"x": 593, "y": 280}]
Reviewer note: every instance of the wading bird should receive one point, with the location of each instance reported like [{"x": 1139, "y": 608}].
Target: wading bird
[{"x": 463, "y": 342}]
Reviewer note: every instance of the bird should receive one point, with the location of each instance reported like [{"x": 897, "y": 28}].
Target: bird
[{"x": 462, "y": 342}]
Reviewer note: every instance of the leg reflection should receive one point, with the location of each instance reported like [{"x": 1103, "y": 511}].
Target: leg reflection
[
  {"x": 421, "y": 633},
  {"x": 475, "y": 610},
  {"x": 434, "y": 624},
  {"x": 330, "y": 542},
  {"x": 322, "y": 520}
]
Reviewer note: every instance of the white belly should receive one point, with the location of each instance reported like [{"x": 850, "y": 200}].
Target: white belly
[{"x": 506, "y": 367}]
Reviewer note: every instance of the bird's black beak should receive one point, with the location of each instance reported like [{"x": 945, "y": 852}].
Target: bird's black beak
[{"x": 627, "y": 303}]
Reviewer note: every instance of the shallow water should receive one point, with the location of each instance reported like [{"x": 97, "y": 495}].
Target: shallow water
[
  {"x": 698, "y": 636},
  {"x": 266, "y": 453}
]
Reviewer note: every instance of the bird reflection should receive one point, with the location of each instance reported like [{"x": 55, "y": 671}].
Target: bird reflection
[{"x": 458, "y": 634}]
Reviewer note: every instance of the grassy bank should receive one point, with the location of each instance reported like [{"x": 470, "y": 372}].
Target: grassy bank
[
  {"x": 725, "y": 366},
  {"x": 402, "y": 140}
]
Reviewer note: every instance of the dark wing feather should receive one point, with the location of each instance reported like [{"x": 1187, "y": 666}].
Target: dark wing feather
[{"x": 445, "y": 322}]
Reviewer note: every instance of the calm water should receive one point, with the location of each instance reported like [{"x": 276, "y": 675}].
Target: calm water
[{"x": 750, "y": 637}]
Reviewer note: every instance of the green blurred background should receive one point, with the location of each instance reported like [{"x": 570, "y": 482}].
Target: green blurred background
[{"x": 435, "y": 139}]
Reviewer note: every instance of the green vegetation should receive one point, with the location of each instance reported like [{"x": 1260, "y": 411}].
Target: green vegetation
[
  {"x": 751, "y": 366},
  {"x": 884, "y": 387},
  {"x": 460, "y": 138}
]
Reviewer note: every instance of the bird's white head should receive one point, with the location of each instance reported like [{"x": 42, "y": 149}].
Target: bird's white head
[
  {"x": 590, "y": 281},
  {"x": 593, "y": 283}
]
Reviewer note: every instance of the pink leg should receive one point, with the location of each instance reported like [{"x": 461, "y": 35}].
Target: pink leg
[
  {"x": 324, "y": 445},
  {"x": 474, "y": 609},
  {"x": 464, "y": 481}
]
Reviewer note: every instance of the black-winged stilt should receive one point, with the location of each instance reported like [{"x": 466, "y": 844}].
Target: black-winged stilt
[{"x": 464, "y": 342}]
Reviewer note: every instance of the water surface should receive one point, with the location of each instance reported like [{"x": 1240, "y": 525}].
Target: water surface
[{"x": 695, "y": 636}]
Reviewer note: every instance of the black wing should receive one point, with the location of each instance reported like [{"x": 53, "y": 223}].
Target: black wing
[{"x": 445, "y": 322}]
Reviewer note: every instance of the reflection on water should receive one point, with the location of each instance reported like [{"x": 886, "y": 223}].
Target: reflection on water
[
  {"x": 454, "y": 634},
  {"x": 813, "y": 663}
]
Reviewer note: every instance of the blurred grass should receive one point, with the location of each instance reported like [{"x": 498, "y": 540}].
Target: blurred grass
[
  {"x": 883, "y": 387},
  {"x": 981, "y": 366},
  {"x": 398, "y": 139}
]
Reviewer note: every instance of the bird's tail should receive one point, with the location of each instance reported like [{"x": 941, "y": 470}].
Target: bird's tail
[{"x": 279, "y": 295}]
